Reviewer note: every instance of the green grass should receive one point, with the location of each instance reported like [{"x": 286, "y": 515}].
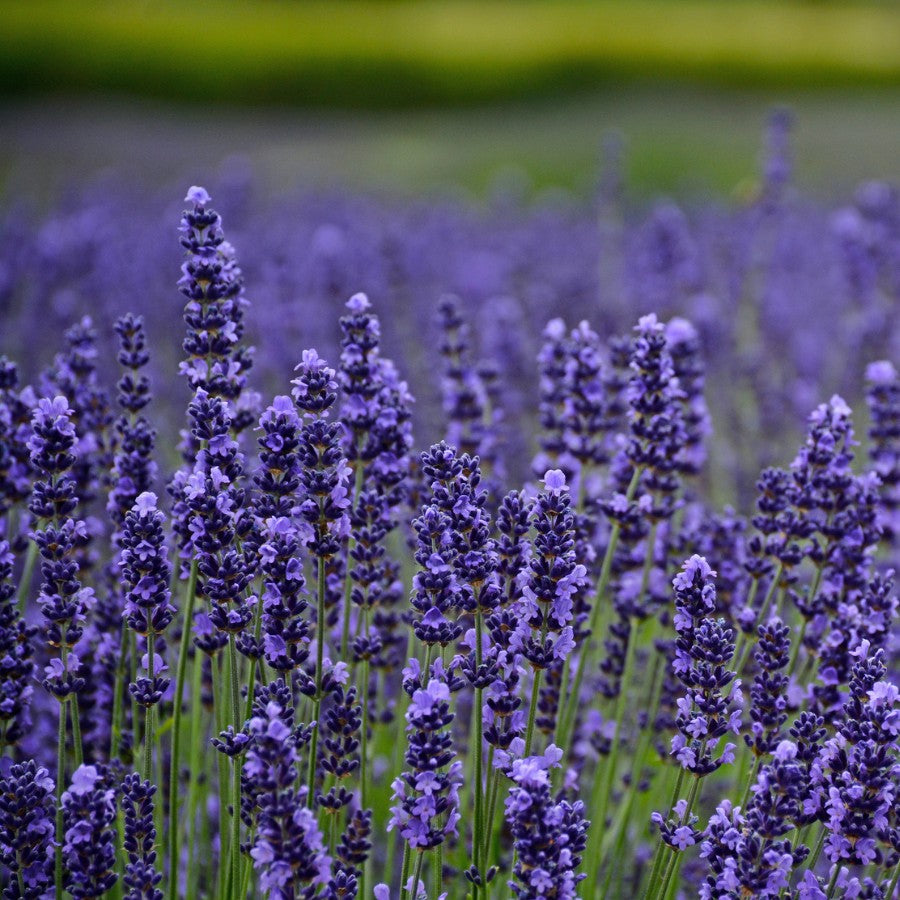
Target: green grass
[{"x": 375, "y": 53}]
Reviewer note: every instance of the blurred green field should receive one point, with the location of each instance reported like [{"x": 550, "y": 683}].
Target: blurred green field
[
  {"x": 382, "y": 54},
  {"x": 681, "y": 141}
]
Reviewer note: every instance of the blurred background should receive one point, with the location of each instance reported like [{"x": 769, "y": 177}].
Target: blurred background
[
  {"x": 413, "y": 95},
  {"x": 731, "y": 161}
]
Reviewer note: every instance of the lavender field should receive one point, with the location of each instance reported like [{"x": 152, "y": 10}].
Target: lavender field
[{"x": 418, "y": 547}]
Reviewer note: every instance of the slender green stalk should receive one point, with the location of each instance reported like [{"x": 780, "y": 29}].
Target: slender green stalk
[
  {"x": 677, "y": 858},
  {"x": 750, "y": 782},
  {"x": 892, "y": 887},
  {"x": 746, "y": 643},
  {"x": 115, "y": 741},
  {"x": 148, "y": 712},
  {"x": 76, "y": 731},
  {"x": 254, "y": 662},
  {"x": 197, "y": 742},
  {"x": 60, "y": 779},
  {"x": 364, "y": 746},
  {"x": 478, "y": 740},
  {"x": 438, "y": 873},
  {"x": 404, "y": 869},
  {"x": 795, "y": 650},
  {"x": 660, "y": 857},
  {"x": 585, "y": 656},
  {"x": 603, "y": 787},
  {"x": 640, "y": 761},
  {"x": 236, "y": 767},
  {"x": 175, "y": 765},
  {"x": 606, "y": 785},
  {"x": 27, "y": 577},
  {"x": 348, "y": 583},
  {"x": 222, "y": 768},
  {"x": 532, "y": 710},
  {"x": 817, "y": 851},
  {"x": 317, "y": 702},
  {"x": 832, "y": 884},
  {"x": 417, "y": 875}
]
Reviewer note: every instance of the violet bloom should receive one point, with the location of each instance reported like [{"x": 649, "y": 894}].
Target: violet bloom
[
  {"x": 16, "y": 663},
  {"x": 133, "y": 467},
  {"x": 745, "y": 853},
  {"x": 549, "y": 835},
  {"x": 89, "y": 815},
  {"x": 883, "y": 396},
  {"x": 27, "y": 829},
  {"x": 278, "y": 539},
  {"x": 146, "y": 575},
  {"x": 359, "y": 377},
  {"x": 436, "y": 591},
  {"x": 687, "y": 363},
  {"x": 75, "y": 376},
  {"x": 15, "y": 466},
  {"x": 426, "y": 795},
  {"x": 585, "y": 420},
  {"x": 471, "y": 421},
  {"x": 213, "y": 285},
  {"x": 287, "y": 850},
  {"x": 703, "y": 649},
  {"x": 656, "y": 421},
  {"x": 324, "y": 473},
  {"x": 141, "y": 879},
  {"x": 859, "y": 765},
  {"x": 351, "y": 854},
  {"x": 768, "y": 701},
  {"x": 218, "y": 517},
  {"x": 545, "y": 631},
  {"x": 63, "y": 600}
]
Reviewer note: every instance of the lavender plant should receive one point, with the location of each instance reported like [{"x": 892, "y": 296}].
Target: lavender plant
[{"x": 468, "y": 672}]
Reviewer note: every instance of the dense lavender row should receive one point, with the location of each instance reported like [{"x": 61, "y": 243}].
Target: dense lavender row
[
  {"x": 316, "y": 653},
  {"x": 768, "y": 283}
]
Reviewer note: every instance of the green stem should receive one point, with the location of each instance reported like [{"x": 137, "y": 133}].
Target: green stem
[
  {"x": 438, "y": 874},
  {"x": 674, "y": 866},
  {"x": 404, "y": 869},
  {"x": 364, "y": 746},
  {"x": 148, "y": 712},
  {"x": 254, "y": 662},
  {"x": 532, "y": 710},
  {"x": 76, "y": 731},
  {"x": 748, "y": 642},
  {"x": 584, "y": 657},
  {"x": 477, "y": 835},
  {"x": 60, "y": 779},
  {"x": 795, "y": 650},
  {"x": 892, "y": 887},
  {"x": 602, "y": 791},
  {"x": 197, "y": 742},
  {"x": 222, "y": 769},
  {"x": 317, "y": 702},
  {"x": 417, "y": 876},
  {"x": 27, "y": 577},
  {"x": 348, "y": 582},
  {"x": 750, "y": 782},
  {"x": 236, "y": 766},
  {"x": 115, "y": 743},
  {"x": 659, "y": 857},
  {"x": 175, "y": 765}
]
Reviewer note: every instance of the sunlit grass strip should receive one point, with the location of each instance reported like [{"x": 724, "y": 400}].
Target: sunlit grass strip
[{"x": 396, "y": 54}]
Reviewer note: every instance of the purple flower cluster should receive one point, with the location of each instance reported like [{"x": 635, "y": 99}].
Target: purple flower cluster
[
  {"x": 710, "y": 705},
  {"x": 426, "y": 796},
  {"x": 549, "y": 835},
  {"x": 411, "y": 695},
  {"x": 89, "y": 815}
]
